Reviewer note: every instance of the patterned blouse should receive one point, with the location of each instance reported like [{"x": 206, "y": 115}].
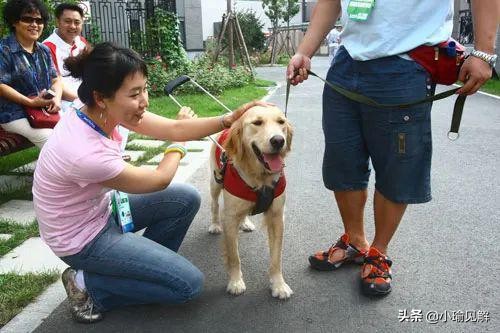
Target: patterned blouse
[{"x": 27, "y": 73}]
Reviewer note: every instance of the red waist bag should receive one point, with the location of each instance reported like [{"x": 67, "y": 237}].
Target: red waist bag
[
  {"x": 442, "y": 61},
  {"x": 39, "y": 118}
]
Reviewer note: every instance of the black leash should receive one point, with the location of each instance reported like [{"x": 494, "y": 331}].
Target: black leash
[{"x": 457, "y": 109}]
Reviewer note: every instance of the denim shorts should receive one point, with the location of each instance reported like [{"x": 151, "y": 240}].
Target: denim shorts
[{"x": 397, "y": 141}]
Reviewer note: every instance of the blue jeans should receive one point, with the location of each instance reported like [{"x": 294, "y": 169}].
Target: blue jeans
[
  {"x": 126, "y": 269},
  {"x": 397, "y": 141}
]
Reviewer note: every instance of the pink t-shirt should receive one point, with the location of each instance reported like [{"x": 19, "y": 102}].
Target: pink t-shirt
[{"x": 70, "y": 204}]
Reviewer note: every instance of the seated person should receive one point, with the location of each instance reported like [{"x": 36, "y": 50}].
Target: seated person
[
  {"x": 26, "y": 70},
  {"x": 66, "y": 41}
]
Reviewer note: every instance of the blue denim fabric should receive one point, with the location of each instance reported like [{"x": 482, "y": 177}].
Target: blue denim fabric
[
  {"x": 127, "y": 269},
  {"x": 398, "y": 141},
  {"x": 27, "y": 73}
]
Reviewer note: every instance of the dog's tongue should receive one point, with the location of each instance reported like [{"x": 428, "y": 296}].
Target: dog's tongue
[{"x": 274, "y": 162}]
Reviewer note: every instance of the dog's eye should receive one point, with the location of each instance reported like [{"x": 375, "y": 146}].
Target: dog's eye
[
  {"x": 257, "y": 122},
  {"x": 281, "y": 121}
]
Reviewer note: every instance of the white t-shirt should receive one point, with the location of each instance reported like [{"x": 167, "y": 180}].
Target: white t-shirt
[
  {"x": 61, "y": 50},
  {"x": 395, "y": 27}
]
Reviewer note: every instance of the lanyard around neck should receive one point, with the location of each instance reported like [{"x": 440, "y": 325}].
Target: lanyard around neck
[
  {"x": 34, "y": 73},
  {"x": 91, "y": 123}
]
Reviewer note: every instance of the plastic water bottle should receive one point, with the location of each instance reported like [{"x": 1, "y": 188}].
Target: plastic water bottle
[{"x": 121, "y": 208}]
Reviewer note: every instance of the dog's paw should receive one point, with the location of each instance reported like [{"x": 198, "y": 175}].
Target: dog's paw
[
  {"x": 281, "y": 291},
  {"x": 247, "y": 225},
  {"x": 236, "y": 287},
  {"x": 215, "y": 229}
]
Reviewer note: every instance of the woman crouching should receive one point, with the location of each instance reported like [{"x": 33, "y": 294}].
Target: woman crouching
[{"x": 80, "y": 164}]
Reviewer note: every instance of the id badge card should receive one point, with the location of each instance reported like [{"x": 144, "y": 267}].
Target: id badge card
[
  {"x": 360, "y": 10},
  {"x": 121, "y": 209}
]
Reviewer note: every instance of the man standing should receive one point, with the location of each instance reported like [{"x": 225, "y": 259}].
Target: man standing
[
  {"x": 64, "y": 42},
  {"x": 373, "y": 60}
]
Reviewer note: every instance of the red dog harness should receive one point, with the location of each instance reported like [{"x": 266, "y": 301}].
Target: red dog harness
[{"x": 234, "y": 184}]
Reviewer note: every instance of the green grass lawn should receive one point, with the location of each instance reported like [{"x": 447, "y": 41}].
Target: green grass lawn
[
  {"x": 17, "y": 291},
  {"x": 264, "y": 83},
  {"x": 19, "y": 233},
  {"x": 204, "y": 106},
  {"x": 492, "y": 87},
  {"x": 18, "y": 159},
  {"x": 22, "y": 192}
]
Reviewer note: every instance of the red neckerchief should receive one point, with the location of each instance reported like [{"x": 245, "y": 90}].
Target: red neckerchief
[{"x": 233, "y": 182}]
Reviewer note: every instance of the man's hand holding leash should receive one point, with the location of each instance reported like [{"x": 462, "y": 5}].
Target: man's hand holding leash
[
  {"x": 477, "y": 68},
  {"x": 298, "y": 66}
]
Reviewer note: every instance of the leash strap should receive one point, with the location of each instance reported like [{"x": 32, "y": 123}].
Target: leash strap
[
  {"x": 287, "y": 95},
  {"x": 457, "y": 109},
  {"x": 457, "y": 117}
]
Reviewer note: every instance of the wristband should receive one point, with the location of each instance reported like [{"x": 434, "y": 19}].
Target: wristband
[
  {"x": 222, "y": 121},
  {"x": 175, "y": 147}
]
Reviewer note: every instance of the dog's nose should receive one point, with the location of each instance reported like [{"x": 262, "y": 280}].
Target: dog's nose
[{"x": 277, "y": 142}]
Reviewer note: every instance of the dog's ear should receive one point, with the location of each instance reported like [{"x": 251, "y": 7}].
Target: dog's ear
[
  {"x": 289, "y": 135},
  {"x": 233, "y": 144}
]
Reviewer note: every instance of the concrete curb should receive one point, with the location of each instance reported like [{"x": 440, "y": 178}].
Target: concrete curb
[{"x": 34, "y": 314}]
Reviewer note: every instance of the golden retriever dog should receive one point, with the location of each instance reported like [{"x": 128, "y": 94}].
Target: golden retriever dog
[{"x": 255, "y": 147}]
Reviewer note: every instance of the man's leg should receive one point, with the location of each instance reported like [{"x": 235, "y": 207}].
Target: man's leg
[
  {"x": 399, "y": 142},
  {"x": 346, "y": 167},
  {"x": 352, "y": 245},
  {"x": 388, "y": 214},
  {"x": 351, "y": 205}
]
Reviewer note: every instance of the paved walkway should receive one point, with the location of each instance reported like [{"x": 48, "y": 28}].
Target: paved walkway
[{"x": 444, "y": 253}]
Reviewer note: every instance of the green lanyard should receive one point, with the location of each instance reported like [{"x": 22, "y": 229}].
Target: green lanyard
[{"x": 360, "y": 10}]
